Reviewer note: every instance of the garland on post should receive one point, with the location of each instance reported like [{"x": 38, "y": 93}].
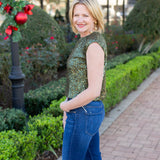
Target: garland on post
[{"x": 16, "y": 12}]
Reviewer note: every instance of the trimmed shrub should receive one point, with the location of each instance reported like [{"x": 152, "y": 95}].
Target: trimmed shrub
[
  {"x": 121, "y": 59},
  {"x": 143, "y": 20},
  {"x": 125, "y": 78},
  {"x": 12, "y": 119},
  {"x": 39, "y": 27},
  {"x": 156, "y": 62},
  {"x": 17, "y": 145},
  {"x": 54, "y": 108},
  {"x": 5, "y": 83},
  {"x": 49, "y": 130},
  {"x": 36, "y": 100}
]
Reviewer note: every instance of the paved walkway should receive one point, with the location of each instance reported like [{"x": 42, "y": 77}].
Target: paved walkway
[{"x": 133, "y": 133}]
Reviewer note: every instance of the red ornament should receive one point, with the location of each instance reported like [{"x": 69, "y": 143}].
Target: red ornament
[
  {"x": 21, "y": 18},
  {"x": 1, "y": 3},
  {"x": 8, "y": 8},
  {"x": 28, "y": 8}
]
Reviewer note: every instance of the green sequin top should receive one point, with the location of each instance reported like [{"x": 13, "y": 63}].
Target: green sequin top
[{"x": 77, "y": 66}]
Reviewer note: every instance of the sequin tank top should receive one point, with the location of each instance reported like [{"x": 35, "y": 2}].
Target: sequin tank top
[{"x": 77, "y": 66}]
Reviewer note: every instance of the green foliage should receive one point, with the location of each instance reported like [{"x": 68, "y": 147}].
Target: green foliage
[
  {"x": 17, "y": 6},
  {"x": 40, "y": 64},
  {"x": 144, "y": 19},
  {"x": 156, "y": 56},
  {"x": 39, "y": 27},
  {"x": 4, "y": 45},
  {"x": 155, "y": 47},
  {"x": 18, "y": 145},
  {"x": 54, "y": 108},
  {"x": 119, "y": 42},
  {"x": 121, "y": 59},
  {"x": 12, "y": 119},
  {"x": 5, "y": 83},
  {"x": 125, "y": 78},
  {"x": 49, "y": 130},
  {"x": 36, "y": 100}
]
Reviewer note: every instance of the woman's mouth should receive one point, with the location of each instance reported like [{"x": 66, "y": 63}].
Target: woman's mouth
[{"x": 80, "y": 25}]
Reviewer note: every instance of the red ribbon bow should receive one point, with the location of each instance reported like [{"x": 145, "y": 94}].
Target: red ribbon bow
[
  {"x": 8, "y": 8},
  {"x": 28, "y": 8},
  {"x": 10, "y": 29},
  {"x": 1, "y": 3}
]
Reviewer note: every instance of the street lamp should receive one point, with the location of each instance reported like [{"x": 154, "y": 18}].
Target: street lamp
[{"x": 17, "y": 78}]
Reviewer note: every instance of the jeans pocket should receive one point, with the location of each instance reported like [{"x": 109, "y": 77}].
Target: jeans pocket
[{"x": 94, "y": 118}]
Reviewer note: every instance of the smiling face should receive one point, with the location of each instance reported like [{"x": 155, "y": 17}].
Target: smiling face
[{"x": 83, "y": 20}]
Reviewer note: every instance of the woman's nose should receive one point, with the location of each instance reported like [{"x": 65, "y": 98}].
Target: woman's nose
[{"x": 80, "y": 19}]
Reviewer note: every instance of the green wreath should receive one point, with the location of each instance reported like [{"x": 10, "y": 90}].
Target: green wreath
[{"x": 16, "y": 12}]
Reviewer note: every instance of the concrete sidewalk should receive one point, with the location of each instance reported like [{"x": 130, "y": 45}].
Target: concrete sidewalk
[{"x": 132, "y": 130}]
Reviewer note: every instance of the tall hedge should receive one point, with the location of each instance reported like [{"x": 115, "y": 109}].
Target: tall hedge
[{"x": 144, "y": 20}]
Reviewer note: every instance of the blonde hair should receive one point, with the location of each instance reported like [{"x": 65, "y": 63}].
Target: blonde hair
[{"x": 95, "y": 10}]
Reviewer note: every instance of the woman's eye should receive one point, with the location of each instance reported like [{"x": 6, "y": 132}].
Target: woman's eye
[
  {"x": 76, "y": 15},
  {"x": 85, "y": 15}
]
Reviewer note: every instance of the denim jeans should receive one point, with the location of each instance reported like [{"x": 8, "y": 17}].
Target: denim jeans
[{"x": 81, "y": 134}]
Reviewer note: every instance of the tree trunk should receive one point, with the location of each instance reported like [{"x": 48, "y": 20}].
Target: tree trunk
[
  {"x": 149, "y": 46},
  {"x": 67, "y": 11},
  {"x": 41, "y": 1},
  {"x": 123, "y": 12},
  {"x": 141, "y": 45}
]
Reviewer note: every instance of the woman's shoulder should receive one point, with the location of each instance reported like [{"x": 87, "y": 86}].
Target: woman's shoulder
[{"x": 95, "y": 37}]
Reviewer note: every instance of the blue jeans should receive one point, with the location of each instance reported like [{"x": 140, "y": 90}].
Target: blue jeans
[{"x": 81, "y": 134}]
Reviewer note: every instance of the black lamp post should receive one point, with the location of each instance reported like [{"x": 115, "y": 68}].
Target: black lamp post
[{"x": 17, "y": 78}]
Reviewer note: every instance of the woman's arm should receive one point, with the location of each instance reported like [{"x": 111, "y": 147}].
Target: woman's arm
[{"x": 95, "y": 69}]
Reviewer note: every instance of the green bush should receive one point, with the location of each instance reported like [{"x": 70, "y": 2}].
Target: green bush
[
  {"x": 4, "y": 45},
  {"x": 36, "y": 100},
  {"x": 49, "y": 130},
  {"x": 119, "y": 42},
  {"x": 121, "y": 59},
  {"x": 143, "y": 20},
  {"x": 5, "y": 83},
  {"x": 18, "y": 145},
  {"x": 156, "y": 57},
  {"x": 125, "y": 78},
  {"x": 40, "y": 64},
  {"x": 39, "y": 27},
  {"x": 155, "y": 47},
  {"x": 54, "y": 108},
  {"x": 12, "y": 119}
]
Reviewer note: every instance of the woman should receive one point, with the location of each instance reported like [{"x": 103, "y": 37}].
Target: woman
[{"x": 86, "y": 84}]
